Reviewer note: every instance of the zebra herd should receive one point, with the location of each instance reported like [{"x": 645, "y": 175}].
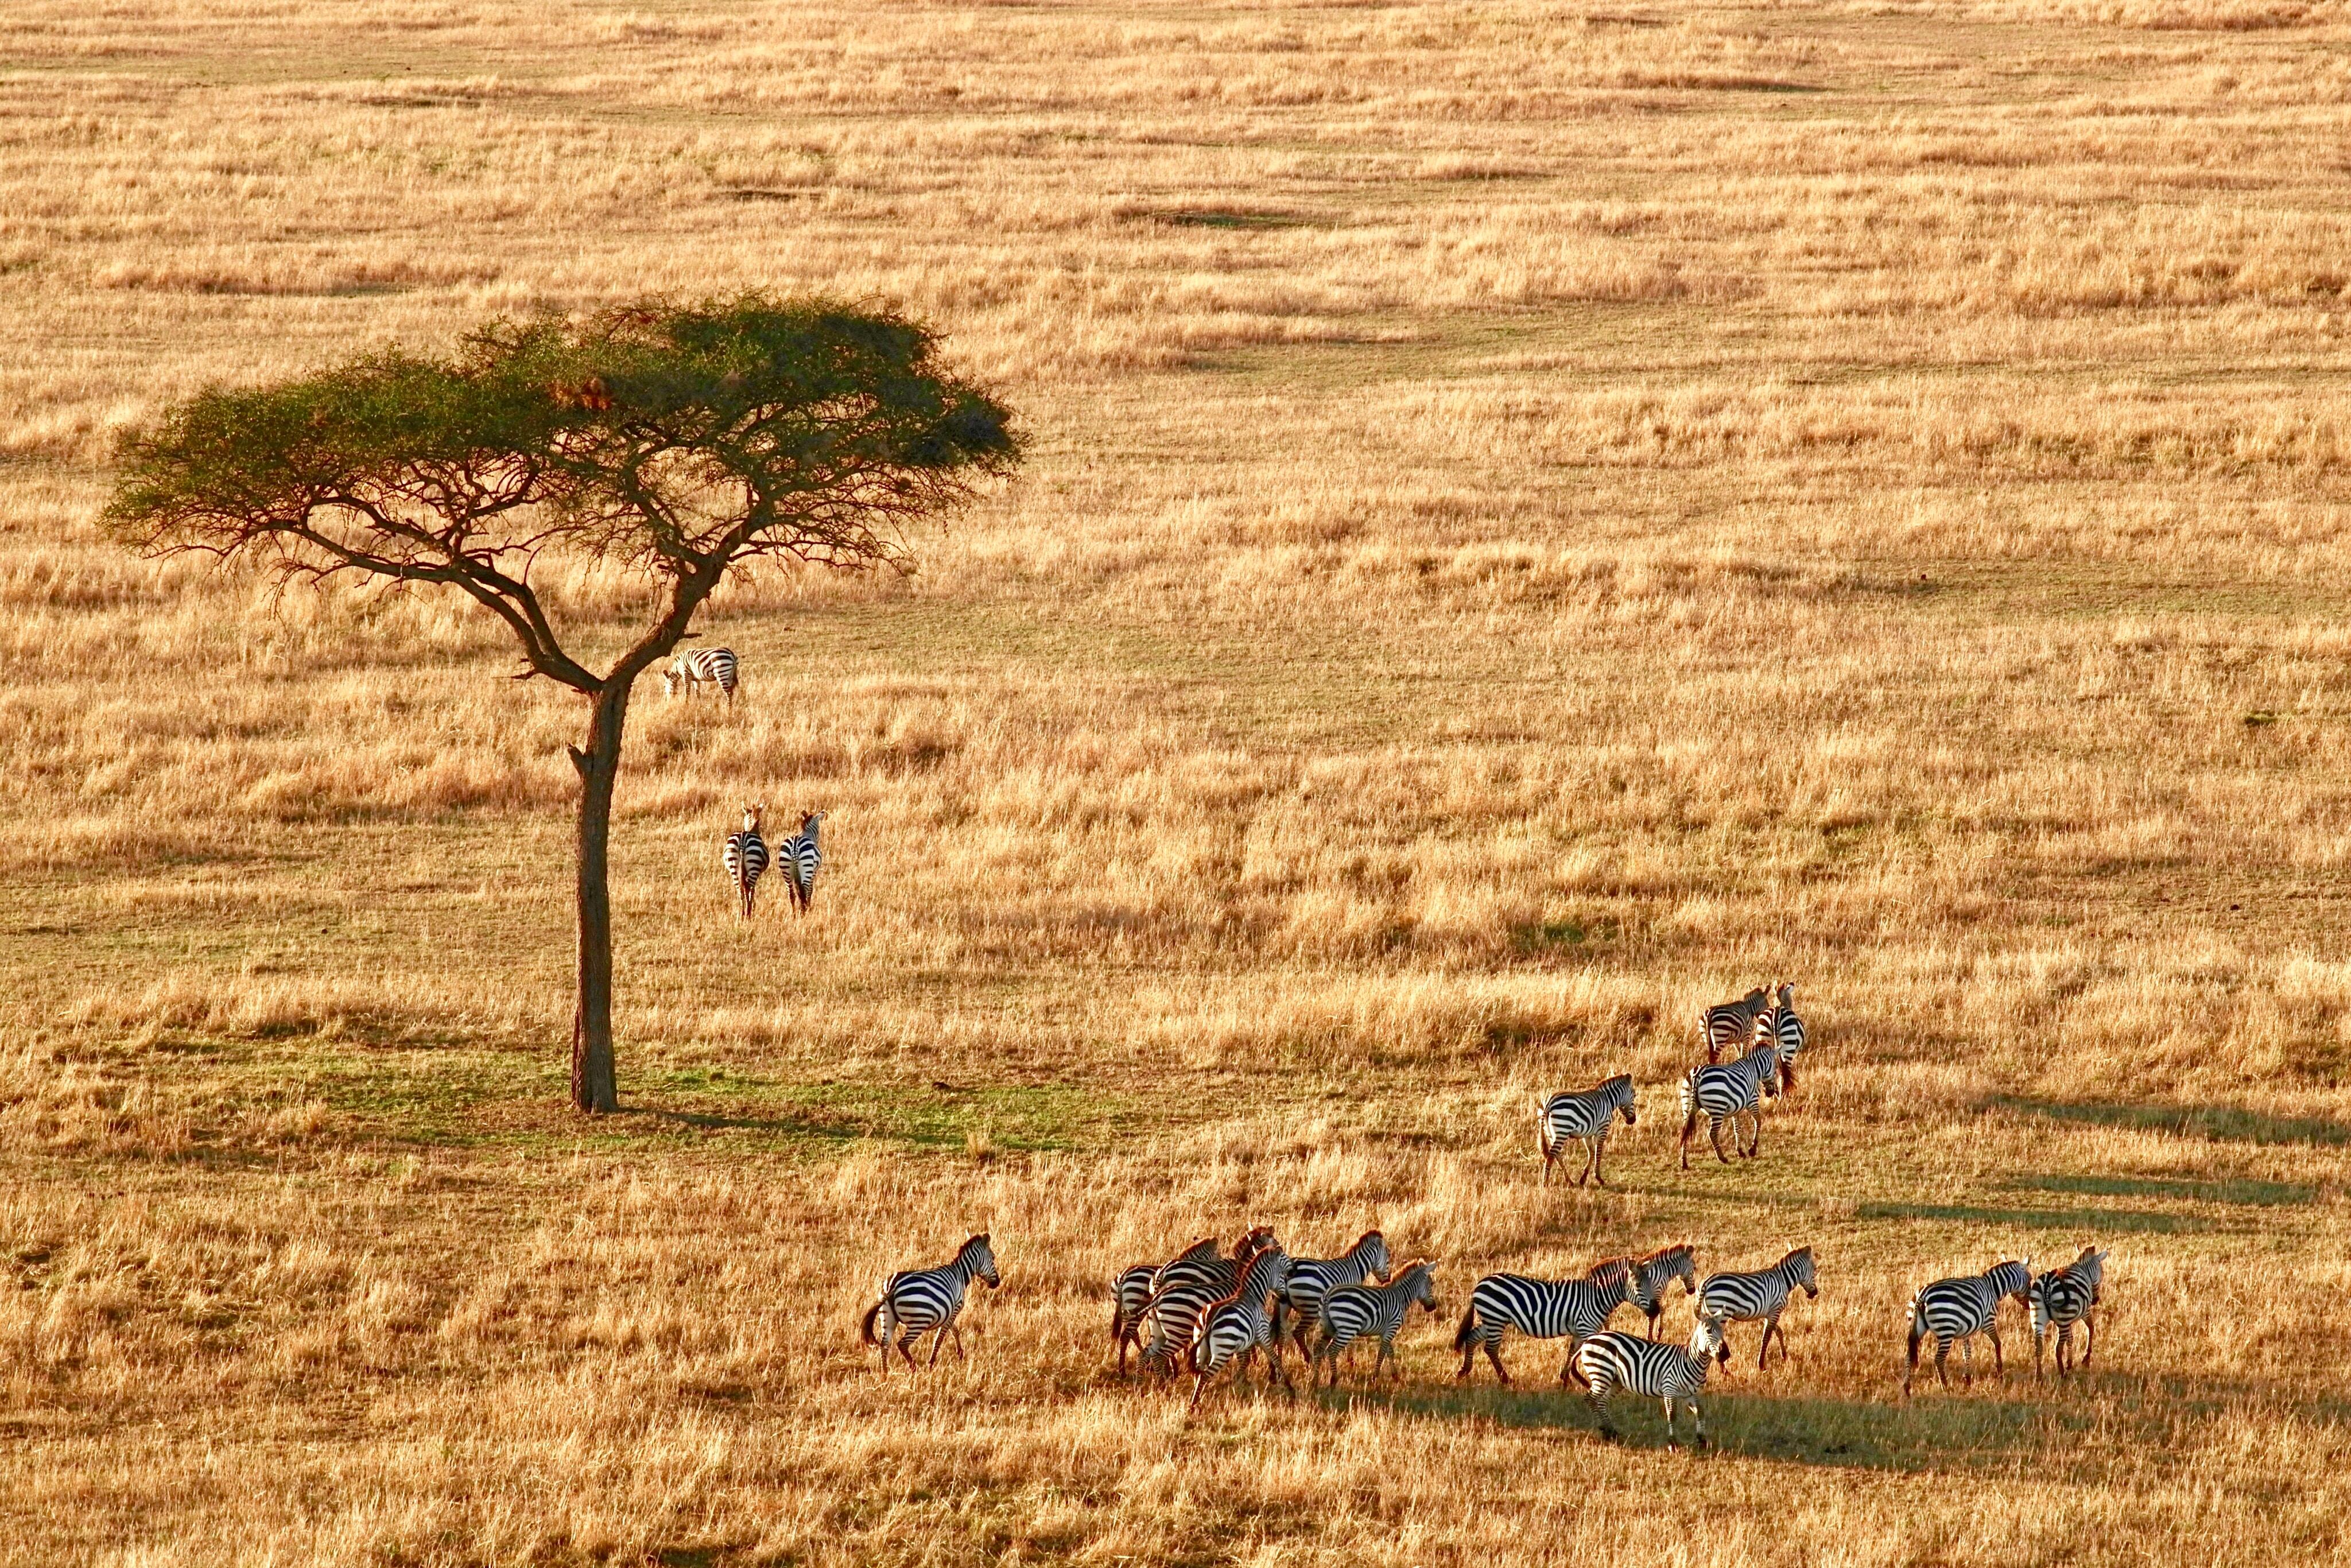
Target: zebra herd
[{"x": 745, "y": 853}]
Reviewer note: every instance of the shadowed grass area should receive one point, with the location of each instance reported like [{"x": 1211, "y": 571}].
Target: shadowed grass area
[{"x": 2220, "y": 1124}]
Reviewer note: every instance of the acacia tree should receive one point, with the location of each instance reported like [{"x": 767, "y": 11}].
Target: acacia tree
[{"x": 684, "y": 444}]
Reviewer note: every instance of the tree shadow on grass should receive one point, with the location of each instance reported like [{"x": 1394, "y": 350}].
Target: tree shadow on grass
[{"x": 2217, "y": 1123}]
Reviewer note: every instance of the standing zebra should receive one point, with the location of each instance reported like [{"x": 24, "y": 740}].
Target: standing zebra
[
  {"x": 1130, "y": 1293},
  {"x": 1583, "y": 1118},
  {"x": 1744, "y": 1298},
  {"x": 1540, "y": 1308},
  {"x": 1724, "y": 1091},
  {"x": 702, "y": 667},
  {"x": 915, "y": 1303},
  {"x": 2062, "y": 1298},
  {"x": 747, "y": 859},
  {"x": 800, "y": 859},
  {"x": 1240, "y": 1325},
  {"x": 1779, "y": 1026},
  {"x": 1610, "y": 1363},
  {"x": 1955, "y": 1311},
  {"x": 1646, "y": 1287},
  {"x": 1352, "y": 1312},
  {"x": 1311, "y": 1278},
  {"x": 1728, "y": 1023}
]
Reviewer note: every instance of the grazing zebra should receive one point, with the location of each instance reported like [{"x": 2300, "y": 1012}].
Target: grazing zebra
[
  {"x": 1724, "y": 1091},
  {"x": 1585, "y": 1117},
  {"x": 1649, "y": 1276},
  {"x": 1744, "y": 1298},
  {"x": 1130, "y": 1293},
  {"x": 1614, "y": 1363},
  {"x": 1242, "y": 1324},
  {"x": 2062, "y": 1298},
  {"x": 702, "y": 667},
  {"x": 1350, "y": 1311},
  {"x": 800, "y": 858},
  {"x": 1728, "y": 1023},
  {"x": 1311, "y": 1278},
  {"x": 1540, "y": 1308},
  {"x": 915, "y": 1303},
  {"x": 1184, "y": 1291},
  {"x": 1955, "y": 1311},
  {"x": 747, "y": 859}
]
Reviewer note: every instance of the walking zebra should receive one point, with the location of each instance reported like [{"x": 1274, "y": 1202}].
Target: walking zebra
[
  {"x": 1744, "y": 1298},
  {"x": 1646, "y": 1287},
  {"x": 1311, "y": 1278},
  {"x": 1186, "y": 1290},
  {"x": 1350, "y": 1311},
  {"x": 1585, "y": 1117},
  {"x": 1724, "y": 1091},
  {"x": 800, "y": 858},
  {"x": 1955, "y": 1311},
  {"x": 2062, "y": 1298},
  {"x": 1780, "y": 1027},
  {"x": 1540, "y": 1308},
  {"x": 922, "y": 1299},
  {"x": 747, "y": 859},
  {"x": 1130, "y": 1293},
  {"x": 702, "y": 667},
  {"x": 1614, "y": 1363},
  {"x": 1728, "y": 1023},
  {"x": 1241, "y": 1324}
]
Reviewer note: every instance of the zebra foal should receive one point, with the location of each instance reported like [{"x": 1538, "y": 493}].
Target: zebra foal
[
  {"x": 1723, "y": 1093},
  {"x": 1613, "y": 1363},
  {"x": 1584, "y": 1117},
  {"x": 1647, "y": 1278},
  {"x": 1350, "y": 1311},
  {"x": 2062, "y": 1298},
  {"x": 1571, "y": 1309},
  {"x": 1242, "y": 1324},
  {"x": 1763, "y": 1294},
  {"x": 928, "y": 1300},
  {"x": 1953, "y": 1312}
]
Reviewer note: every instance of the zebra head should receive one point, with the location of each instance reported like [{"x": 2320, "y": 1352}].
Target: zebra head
[
  {"x": 2013, "y": 1278},
  {"x": 1787, "y": 995},
  {"x": 751, "y": 813},
  {"x": 673, "y": 675},
  {"x": 1619, "y": 1090},
  {"x": 977, "y": 1261},
  {"x": 809, "y": 822},
  {"x": 1419, "y": 1276},
  {"x": 1768, "y": 1069},
  {"x": 1370, "y": 1253},
  {"x": 1798, "y": 1265},
  {"x": 1708, "y": 1340}
]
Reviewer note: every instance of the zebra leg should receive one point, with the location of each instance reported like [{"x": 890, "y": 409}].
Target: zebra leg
[
  {"x": 938, "y": 1339},
  {"x": 1596, "y": 1396},
  {"x": 905, "y": 1352},
  {"x": 1493, "y": 1355},
  {"x": 2040, "y": 1340},
  {"x": 1671, "y": 1447},
  {"x": 1911, "y": 1366},
  {"x": 1690, "y": 1127},
  {"x": 1697, "y": 1424},
  {"x": 2089, "y": 1334},
  {"x": 1999, "y": 1370},
  {"x": 1942, "y": 1359},
  {"x": 1714, "y": 1137},
  {"x": 1570, "y": 1370},
  {"x": 1199, "y": 1386},
  {"x": 1599, "y": 1148},
  {"x": 1764, "y": 1350},
  {"x": 960, "y": 1354}
]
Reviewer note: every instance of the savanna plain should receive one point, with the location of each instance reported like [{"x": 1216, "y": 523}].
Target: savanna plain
[{"x": 1537, "y": 518}]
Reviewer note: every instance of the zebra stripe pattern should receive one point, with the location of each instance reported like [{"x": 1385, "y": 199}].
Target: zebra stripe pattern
[
  {"x": 747, "y": 859},
  {"x": 1539, "y": 1309},
  {"x": 1131, "y": 1294},
  {"x": 1242, "y": 1324},
  {"x": 1350, "y": 1311},
  {"x": 923, "y": 1300},
  {"x": 1311, "y": 1278},
  {"x": 1728, "y": 1023},
  {"x": 1723, "y": 1093},
  {"x": 1761, "y": 1295},
  {"x": 800, "y": 858},
  {"x": 1610, "y": 1363},
  {"x": 2062, "y": 1298},
  {"x": 1649, "y": 1276},
  {"x": 1184, "y": 1292},
  {"x": 702, "y": 667},
  {"x": 1953, "y": 1312},
  {"x": 1583, "y": 1118}
]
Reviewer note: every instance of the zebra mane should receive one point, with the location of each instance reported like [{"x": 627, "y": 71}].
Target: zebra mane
[
  {"x": 1676, "y": 1250},
  {"x": 1602, "y": 1272}
]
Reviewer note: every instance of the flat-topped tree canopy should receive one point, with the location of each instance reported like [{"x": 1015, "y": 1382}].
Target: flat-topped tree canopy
[{"x": 683, "y": 441}]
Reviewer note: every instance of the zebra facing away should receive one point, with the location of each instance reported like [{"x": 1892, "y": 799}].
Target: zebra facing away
[
  {"x": 1130, "y": 1293},
  {"x": 1728, "y": 1023},
  {"x": 1614, "y": 1363},
  {"x": 2062, "y": 1298},
  {"x": 1763, "y": 1294},
  {"x": 703, "y": 667},
  {"x": 1540, "y": 1308},
  {"x": 1585, "y": 1117},
  {"x": 800, "y": 858},
  {"x": 1242, "y": 1324},
  {"x": 1350, "y": 1311},
  {"x": 747, "y": 859},
  {"x": 1649, "y": 1276},
  {"x": 923, "y": 1300},
  {"x": 1781, "y": 1027},
  {"x": 1724, "y": 1091},
  {"x": 1953, "y": 1312},
  {"x": 1311, "y": 1278}
]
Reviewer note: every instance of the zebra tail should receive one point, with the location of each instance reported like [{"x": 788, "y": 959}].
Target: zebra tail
[
  {"x": 865, "y": 1329},
  {"x": 1117, "y": 1316},
  {"x": 1467, "y": 1333}
]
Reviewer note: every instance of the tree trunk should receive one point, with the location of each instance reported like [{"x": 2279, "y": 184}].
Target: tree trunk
[{"x": 592, "y": 1088}]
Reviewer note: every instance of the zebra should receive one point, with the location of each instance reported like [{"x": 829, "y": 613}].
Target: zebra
[
  {"x": 703, "y": 667},
  {"x": 1352, "y": 1312},
  {"x": 1646, "y": 1287},
  {"x": 2062, "y": 1298},
  {"x": 1540, "y": 1308},
  {"x": 1724, "y": 1091},
  {"x": 1241, "y": 1324},
  {"x": 1186, "y": 1290},
  {"x": 917, "y": 1302},
  {"x": 1583, "y": 1118},
  {"x": 1744, "y": 1298},
  {"x": 747, "y": 859},
  {"x": 1955, "y": 1311},
  {"x": 800, "y": 858},
  {"x": 1130, "y": 1293},
  {"x": 1311, "y": 1278},
  {"x": 1783, "y": 1027},
  {"x": 1728, "y": 1023},
  {"x": 1613, "y": 1363}
]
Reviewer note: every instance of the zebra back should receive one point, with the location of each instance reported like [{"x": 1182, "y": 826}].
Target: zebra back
[{"x": 1726, "y": 1023}]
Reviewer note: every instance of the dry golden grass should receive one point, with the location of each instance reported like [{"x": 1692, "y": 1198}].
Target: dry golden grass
[{"x": 1539, "y": 518}]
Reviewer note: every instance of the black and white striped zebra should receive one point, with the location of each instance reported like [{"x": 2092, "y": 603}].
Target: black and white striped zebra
[
  {"x": 2062, "y": 1298},
  {"x": 925, "y": 1300},
  {"x": 1130, "y": 1293},
  {"x": 1583, "y": 1116},
  {"x": 1724, "y": 1091},
  {"x": 800, "y": 858},
  {"x": 1953, "y": 1312},
  {"x": 1311, "y": 1278},
  {"x": 703, "y": 667},
  {"x": 1610, "y": 1363},
  {"x": 1350, "y": 1311},
  {"x": 1185, "y": 1291},
  {"x": 1649, "y": 1276},
  {"x": 1242, "y": 1324},
  {"x": 1760, "y": 1296},
  {"x": 1540, "y": 1308},
  {"x": 747, "y": 859},
  {"x": 1779, "y": 1027},
  {"x": 1730, "y": 1023}
]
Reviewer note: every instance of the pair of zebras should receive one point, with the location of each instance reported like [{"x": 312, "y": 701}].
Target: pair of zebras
[
  {"x": 1953, "y": 1312},
  {"x": 746, "y": 859}
]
